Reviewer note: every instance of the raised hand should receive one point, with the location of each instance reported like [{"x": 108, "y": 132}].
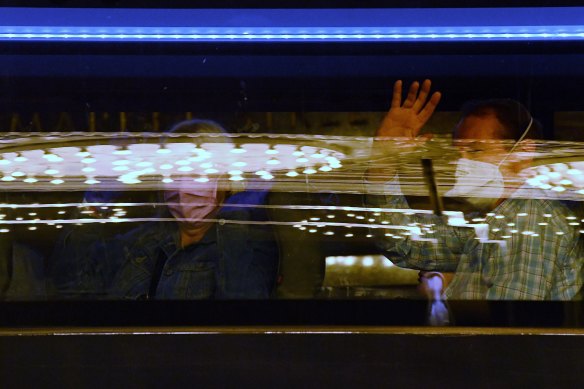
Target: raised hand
[{"x": 407, "y": 119}]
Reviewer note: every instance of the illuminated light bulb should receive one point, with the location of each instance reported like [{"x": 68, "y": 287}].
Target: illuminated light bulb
[
  {"x": 129, "y": 180},
  {"x": 571, "y": 217},
  {"x": 560, "y": 167},
  {"x": 521, "y": 214},
  {"x": 18, "y": 174},
  {"x": 89, "y": 160},
  {"x": 166, "y": 166},
  {"x": 292, "y": 174},
  {"x": 89, "y": 181},
  {"x": 325, "y": 168},
  {"x": 332, "y": 160},
  {"x": 261, "y": 172},
  {"x": 62, "y": 212},
  {"x": 370, "y": 220},
  {"x": 32, "y": 228},
  {"x": 20, "y": 158},
  {"x": 83, "y": 153},
  {"x": 167, "y": 180},
  {"x": 565, "y": 182},
  {"x": 87, "y": 169},
  {"x": 239, "y": 164},
  {"x": 238, "y": 150},
  {"x": 57, "y": 181},
  {"x": 330, "y": 216},
  {"x": 376, "y": 214},
  {"x": 559, "y": 233},
  {"x": 302, "y": 228},
  {"x": 369, "y": 236},
  {"x": 185, "y": 169},
  {"x": 349, "y": 261},
  {"x": 211, "y": 171},
  {"x": 558, "y": 189},
  {"x": 144, "y": 164},
  {"x": 19, "y": 218},
  {"x": 312, "y": 230},
  {"x": 8, "y": 178},
  {"x": 267, "y": 177},
  {"x": 368, "y": 262},
  {"x": 30, "y": 180},
  {"x": 499, "y": 216},
  {"x": 51, "y": 172},
  {"x": 121, "y": 168},
  {"x": 206, "y": 165},
  {"x": 272, "y": 151},
  {"x": 330, "y": 261},
  {"x": 235, "y": 172},
  {"x": 201, "y": 179},
  {"x": 309, "y": 171},
  {"x": 317, "y": 155},
  {"x": 349, "y": 235},
  {"x": 545, "y": 186},
  {"x": 574, "y": 224},
  {"x": 351, "y": 215},
  {"x": 273, "y": 162},
  {"x": 555, "y": 176},
  {"x": 574, "y": 172},
  {"x": 298, "y": 153},
  {"x": 4, "y": 230},
  {"x": 236, "y": 178},
  {"x": 163, "y": 150},
  {"x": 182, "y": 162},
  {"x": 302, "y": 160},
  {"x": 360, "y": 217},
  {"x": 336, "y": 165},
  {"x": 32, "y": 214},
  {"x": 581, "y": 191},
  {"x": 4, "y": 162},
  {"x": 121, "y": 162},
  {"x": 329, "y": 233},
  {"x": 123, "y": 151},
  {"x": 315, "y": 218}
]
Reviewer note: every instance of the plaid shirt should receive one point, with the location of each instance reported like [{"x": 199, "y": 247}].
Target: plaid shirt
[{"x": 540, "y": 258}]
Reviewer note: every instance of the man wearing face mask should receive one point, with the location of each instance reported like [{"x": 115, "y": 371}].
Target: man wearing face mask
[
  {"x": 540, "y": 258},
  {"x": 219, "y": 244}
]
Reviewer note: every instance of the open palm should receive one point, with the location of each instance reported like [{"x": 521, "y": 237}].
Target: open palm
[{"x": 407, "y": 119}]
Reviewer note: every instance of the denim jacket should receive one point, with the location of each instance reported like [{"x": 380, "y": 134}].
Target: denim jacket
[{"x": 232, "y": 261}]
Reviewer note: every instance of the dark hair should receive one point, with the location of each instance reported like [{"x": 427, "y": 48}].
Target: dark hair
[
  {"x": 512, "y": 114},
  {"x": 198, "y": 126}
]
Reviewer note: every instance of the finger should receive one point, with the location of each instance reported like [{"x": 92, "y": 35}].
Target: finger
[
  {"x": 412, "y": 93},
  {"x": 422, "y": 96},
  {"x": 428, "y": 110},
  {"x": 397, "y": 92}
]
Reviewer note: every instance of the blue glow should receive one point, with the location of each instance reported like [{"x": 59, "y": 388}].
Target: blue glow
[{"x": 271, "y": 25}]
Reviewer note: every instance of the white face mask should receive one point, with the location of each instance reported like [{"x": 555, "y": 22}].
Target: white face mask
[{"x": 480, "y": 183}]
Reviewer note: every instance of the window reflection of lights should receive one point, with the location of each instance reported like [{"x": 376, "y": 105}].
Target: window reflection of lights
[
  {"x": 163, "y": 150},
  {"x": 62, "y": 212},
  {"x": 4, "y": 230},
  {"x": 122, "y": 151},
  {"x": 349, "y": 235},
  {"x": 574, "y": 224},
  {"x": 312, "y": 230},
  {"x": 368, "y": 262},
  {"x": 329, "y": 233},
  {"x": 559, "y": 233}
]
